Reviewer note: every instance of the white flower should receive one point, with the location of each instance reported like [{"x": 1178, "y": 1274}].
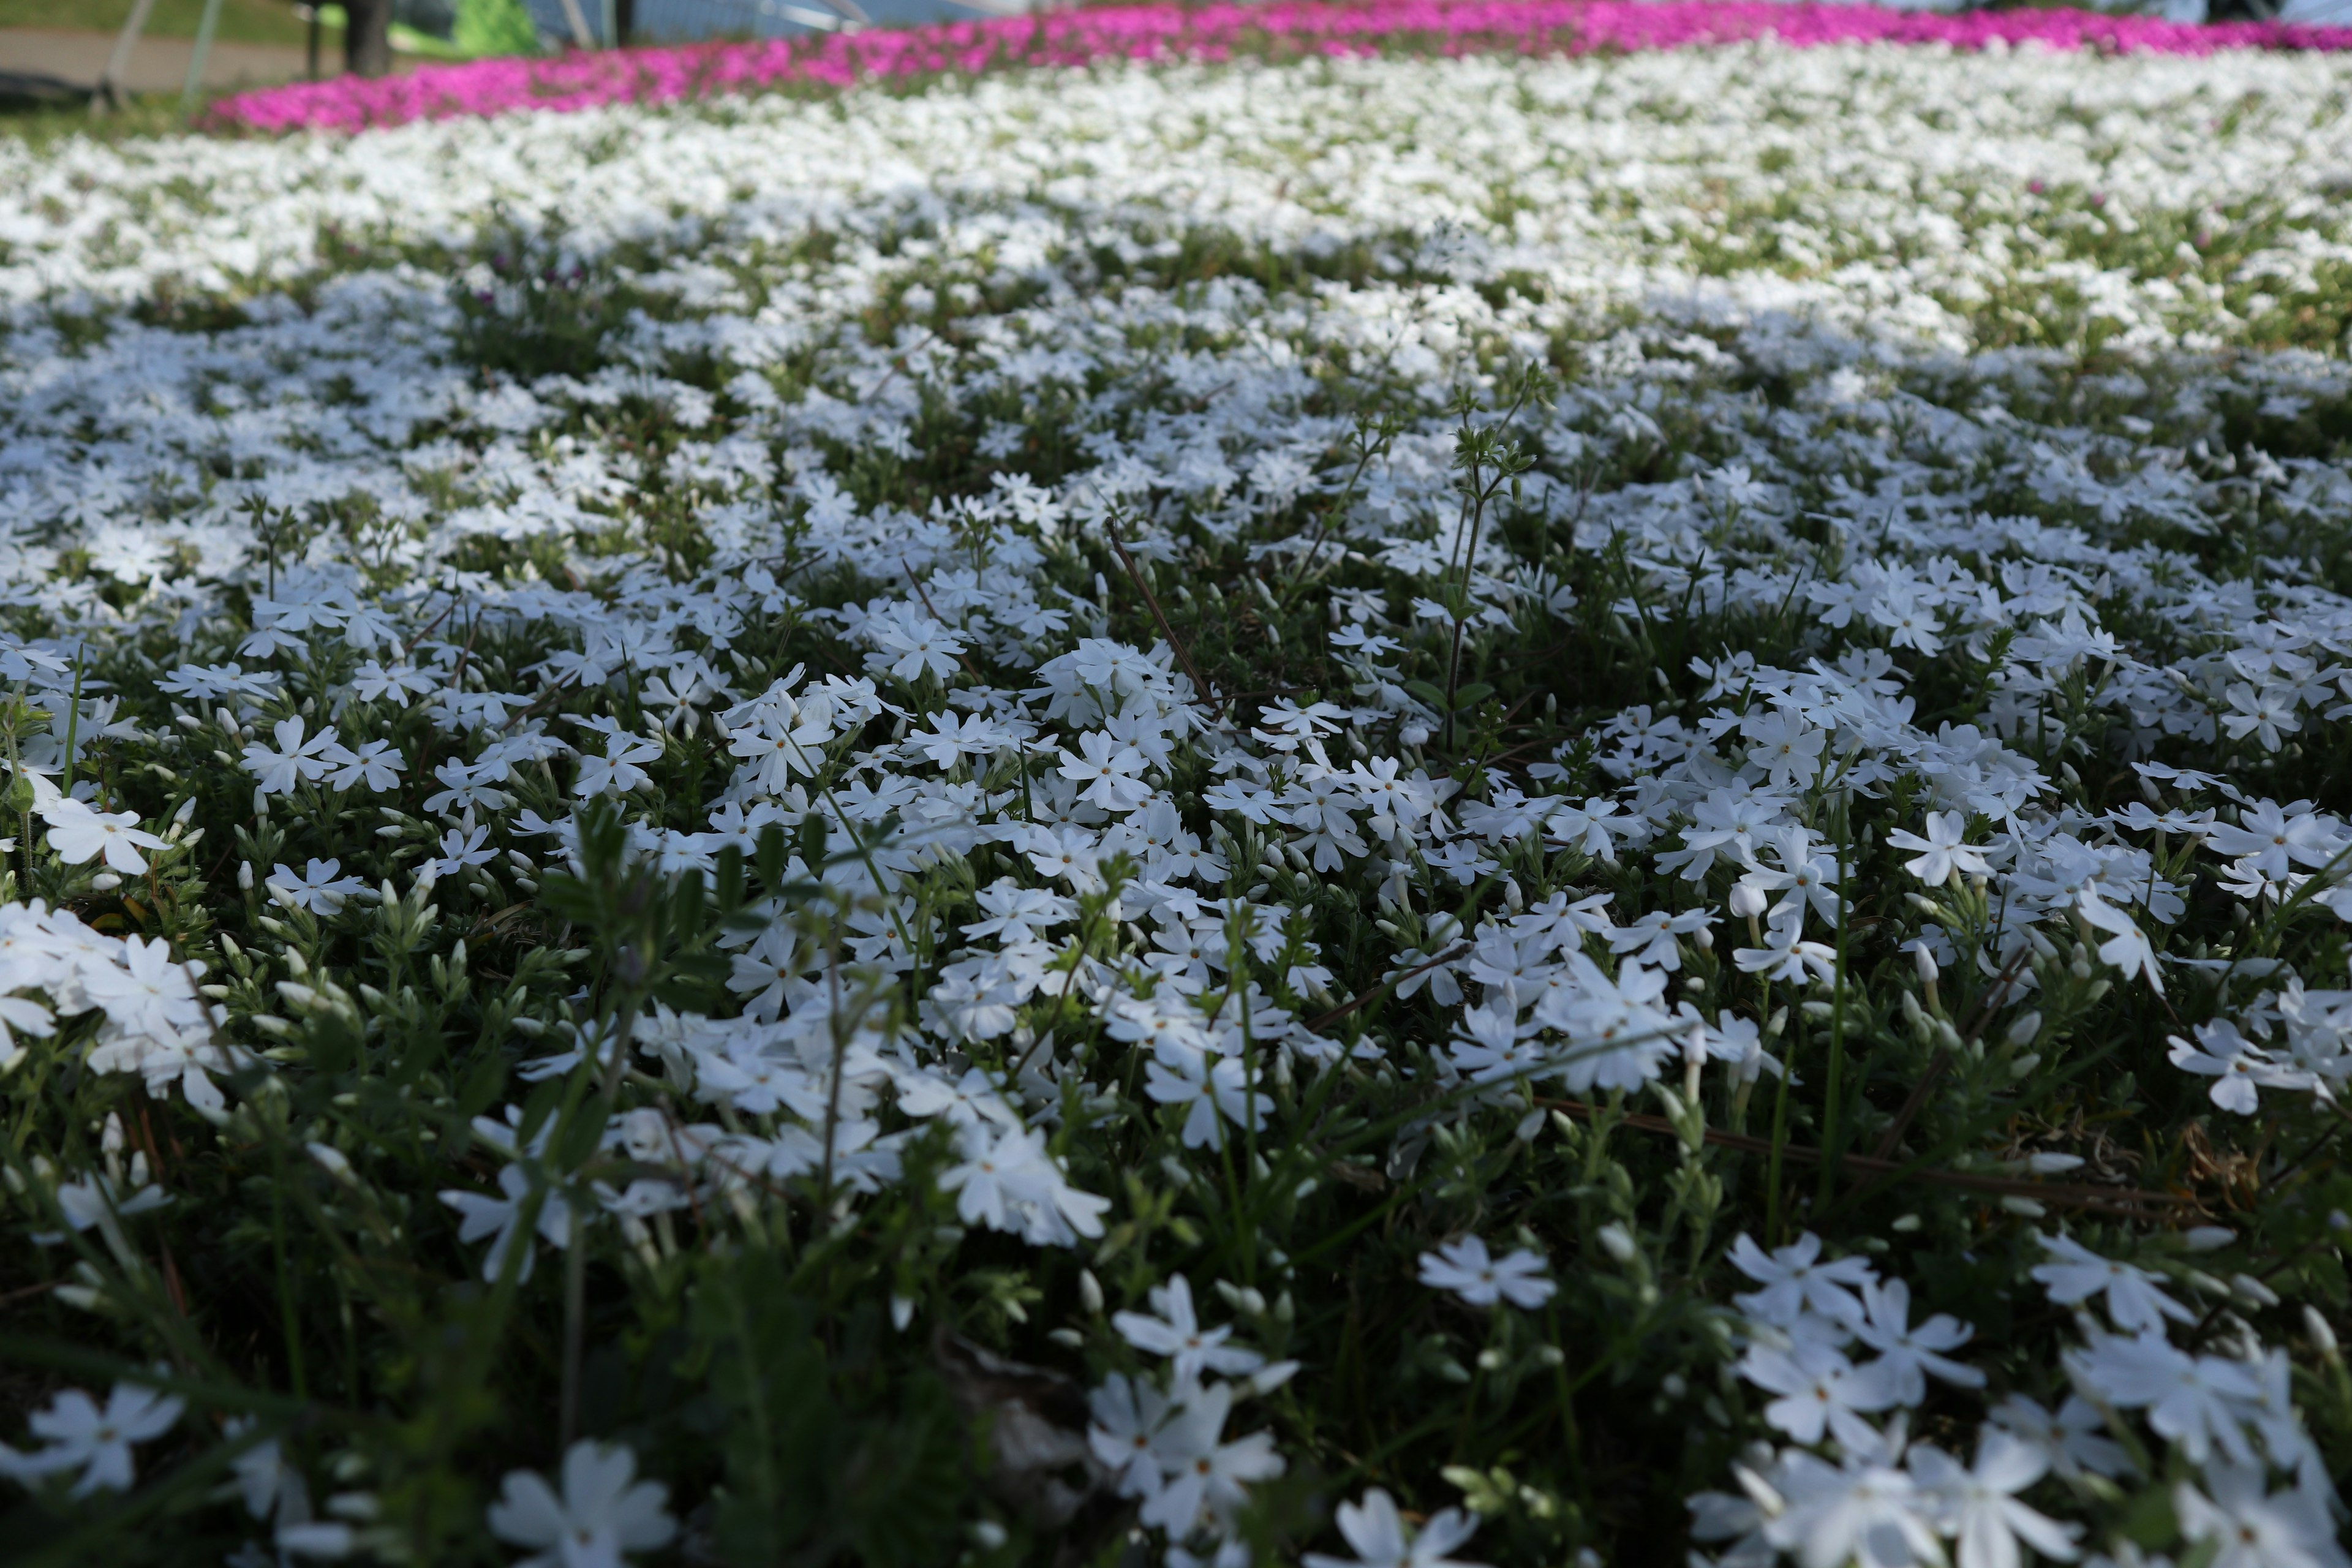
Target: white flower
[
  {"x": 2128, "y": 948},
  {"x": 1822, "y": 1391},
  {"x": 1204, "y": 1479},
  {"x": 1106, "y": 772},
  {"x": 1177, "y": 1334},
  {"x": 1944, "y": 852},
  {"x": 374, "y": 765},
  {"x": 1795, "y": 1279},
  {"x": 483, "y": 1216},
  {"x": 1786, "y": 956},
  {"x": 950, "y": 740},
  {"x": 2270, "y": 839},
  {"x": 2252, "y": 1527},
  {"x": 1907, "y": 1354},
  {"x": 605, "y": 1512},
  {"x": 317, "y": 887},
  {"x": 96, "y": 1442},
  {"x": 2270, "y": 713},
  {"x": 147, "y": 993},
  {"x": 462, "y": 848},
  {"x": 296, "y": 760},
  {"x": 95, "y": 1200},
  {"x": 621, "y": 769},
  {"x": 1214, "y": 1088},
  {"x": 2073, "y": 1442},
  {"x": 1978, "y": 1505},
  {"x": 1129, "y": 1417},
  {"x": 2197, "y": 1402},
  {"x": 79, "y": 833},
  {"x": 1009, "y": 1182},
  {"x": 1867, "y": 1514},
  {"x": 1465, "y": 1268},
  {"x": 914, "y": 646},
  {"x": 2236, "y": 1064},
  {"x": 2076, "y": 1274},
  {"x": 1377, "y": 1534}
]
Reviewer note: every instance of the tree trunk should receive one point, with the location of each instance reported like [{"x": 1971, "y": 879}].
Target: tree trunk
[
  {"x": 367, "y": 49},
  {"x": 624, "y": 20}
]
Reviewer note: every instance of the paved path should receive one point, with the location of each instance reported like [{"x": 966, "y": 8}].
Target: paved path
[{"x": 56, "y": 63}]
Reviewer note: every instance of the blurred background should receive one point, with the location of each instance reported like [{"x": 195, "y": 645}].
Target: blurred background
[{"x": 57, "y": 50}]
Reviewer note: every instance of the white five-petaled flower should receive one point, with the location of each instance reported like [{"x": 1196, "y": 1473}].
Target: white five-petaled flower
[
  {"x": 81, "y": 1436},
  {"x": 296, "y": 760},
  {"x": 1908, "y": 1354},
  {"x": 2253, "y": 1527},
  {"x": 1465, "y": 1268},
  {"x": 1822, "y": 1391},
  {"x": 621, "y": 769},
  {"x": 462, "y": 848},
  {"x": 1176, "y": 1334},
  {"x": 2236, "y": 1064},
  {"x": 604, "y": 1514},
  {"x": 1201, "y": 1476},
  {"x": 147, "y": 993},
  {"x": 2075, "y": 1273},
  {"x": 2272, "y": 838},
  {"x": 483, "y": 1216},
  {"x": 1865, "y": 1511},
  {"x": 1107, "y": 774},
  {"x": 318, "y": 887},
  {"x": 1977, "y": 1506},
  {"x": 78, "y": 834},
  {"x": 1009, "y": 1181},
  {"x": 2199, "y": 1401},
  {"x": 1129, "y": 1418},
  {"x": 1795, "y": 1279},
  {"x": 2126, "y": 947},
  {"x": 1376, "y": 1531},
  {"x": 1943, "y": 853}
]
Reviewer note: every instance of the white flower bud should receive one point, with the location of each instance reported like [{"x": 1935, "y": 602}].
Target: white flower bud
[{"x": 2322, "y": 1337}]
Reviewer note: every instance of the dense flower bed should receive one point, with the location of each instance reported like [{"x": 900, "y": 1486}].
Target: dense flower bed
[
  {"x": 1376, "y": 811},
  {"x": 1166, "y": 32}
]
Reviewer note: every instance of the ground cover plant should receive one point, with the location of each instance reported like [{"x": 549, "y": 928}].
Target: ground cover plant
[{"x": 1485, "y": 809}]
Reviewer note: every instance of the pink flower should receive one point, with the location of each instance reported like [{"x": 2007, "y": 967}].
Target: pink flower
[{"x": 1285, "y": 28}]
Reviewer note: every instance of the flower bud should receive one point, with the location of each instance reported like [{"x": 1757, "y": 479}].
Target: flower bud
[{"x": 2322, "y": 1337}]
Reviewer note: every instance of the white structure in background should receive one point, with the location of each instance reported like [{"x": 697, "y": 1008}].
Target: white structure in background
[{"x": 678, "y": 20}]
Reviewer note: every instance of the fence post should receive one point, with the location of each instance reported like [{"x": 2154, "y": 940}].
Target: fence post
[
  {"x": 578, "y": 24},
  {"x": 203, "y": 53},
  {"x": 108, "y": 90}
]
